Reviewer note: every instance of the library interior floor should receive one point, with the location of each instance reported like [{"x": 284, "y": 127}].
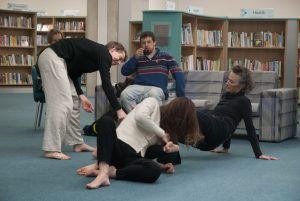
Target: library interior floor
[{"x": 26, "y": 175}]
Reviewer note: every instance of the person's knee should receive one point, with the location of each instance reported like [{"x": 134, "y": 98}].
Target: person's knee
[
  {"x": 153, "y": 174},
  {"x": 106, "y": 120},
  {"x": 156, "y": 93}
]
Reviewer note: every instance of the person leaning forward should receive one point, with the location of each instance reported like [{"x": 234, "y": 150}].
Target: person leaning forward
[{"x": 60, "y": 65}]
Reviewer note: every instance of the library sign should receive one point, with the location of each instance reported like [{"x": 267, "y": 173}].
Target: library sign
[{"x": 259, "y": 13}]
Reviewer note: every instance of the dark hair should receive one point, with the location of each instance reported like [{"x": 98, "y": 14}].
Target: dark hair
[
  {"x": 53, "y": 32},
  {"x": 179, "y": 120},
  {"x": 147, "y": 34},
  {"x": 246, "y": 77},
  {"x": 118, "y": 46}
]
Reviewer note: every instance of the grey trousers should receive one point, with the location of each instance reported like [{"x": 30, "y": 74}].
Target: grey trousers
[{"x": 62, "y": 123}]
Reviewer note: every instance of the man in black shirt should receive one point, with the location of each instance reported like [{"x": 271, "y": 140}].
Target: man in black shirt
[{"x": 61, "y": 65}]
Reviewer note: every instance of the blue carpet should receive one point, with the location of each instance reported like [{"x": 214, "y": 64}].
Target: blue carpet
[{"x": 237, "y": 176}]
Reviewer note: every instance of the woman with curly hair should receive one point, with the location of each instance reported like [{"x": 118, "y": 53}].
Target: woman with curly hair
[{"x": 218, "y": 126}]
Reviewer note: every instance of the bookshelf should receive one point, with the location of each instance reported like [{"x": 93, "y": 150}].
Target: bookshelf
[
  {"x": 135, "y": 28},
  {"x": 196, "y": 42},
  {"x": 70, "y": 26},
  {"x": 17, "y": 47},
  {"x": 210, "y": 52},
  {"x": 257, "y": 44},
  {"x": 217, "y": 43}
]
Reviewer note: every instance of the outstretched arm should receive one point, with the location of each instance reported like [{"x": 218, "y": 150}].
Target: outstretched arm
[{"x": 251, "y": 134}]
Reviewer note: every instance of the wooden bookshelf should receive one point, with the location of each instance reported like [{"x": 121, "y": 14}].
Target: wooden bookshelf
[
  {"x": 44, "y": 24},
  {"x": 257, "y": 44},
  {"x": 210, "y": 52},
  {"x": 70, "y": 26},
  {"x": 135, "y": 28},
  {"x": 220, "y": 42},
  {"x": 17, "y": 47},
  {"x": 196, "y": 42}
]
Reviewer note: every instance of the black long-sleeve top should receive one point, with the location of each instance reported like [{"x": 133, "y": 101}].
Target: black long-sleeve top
[
  {"x": 85, "y": 56},
  {"x": 218, "y": 126}
]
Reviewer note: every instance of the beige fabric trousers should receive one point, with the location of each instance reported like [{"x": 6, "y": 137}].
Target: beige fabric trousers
[{"x": 62, "y": 123}]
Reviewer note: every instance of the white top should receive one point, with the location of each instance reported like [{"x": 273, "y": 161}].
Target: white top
[{"x": 140, "y": 129}]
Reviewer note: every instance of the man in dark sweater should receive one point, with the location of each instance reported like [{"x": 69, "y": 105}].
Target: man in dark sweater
[
  {"x": 61, "y": 65},
  {"x": 151, "y": 68}
]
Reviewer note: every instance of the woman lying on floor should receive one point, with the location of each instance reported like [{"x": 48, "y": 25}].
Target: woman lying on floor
[
  {"x": 218, "y": 126},
  {"x": 121, "y": 150}
]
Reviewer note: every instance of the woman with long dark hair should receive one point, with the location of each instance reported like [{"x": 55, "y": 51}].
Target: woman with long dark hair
[{"x": 121, "y": 150}]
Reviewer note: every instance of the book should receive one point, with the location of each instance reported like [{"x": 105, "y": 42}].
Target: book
[{"x": 258, "y": 39}]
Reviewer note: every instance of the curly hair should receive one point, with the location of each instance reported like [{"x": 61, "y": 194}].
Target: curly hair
[
  {"x": 179, "y": 120},
  {"x": 246, "y": 77}
]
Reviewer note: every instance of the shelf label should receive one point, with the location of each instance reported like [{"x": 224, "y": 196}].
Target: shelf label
[
  {"x": 17, "y": 6},
  {"x": 195, "y": 10},
  {"x": 260, "y": 12},
  {"x": 70, "y": 12}
]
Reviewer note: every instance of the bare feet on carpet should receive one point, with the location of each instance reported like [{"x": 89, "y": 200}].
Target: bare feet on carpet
[
  {"x": 102, "y": 178},
  {"x": 56, "y": 155},
  {"x": 83, "y": 147},
  {"x": 89, "y": 170}
]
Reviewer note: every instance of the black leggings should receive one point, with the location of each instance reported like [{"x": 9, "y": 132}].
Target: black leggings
[{"x": 130, "y": 165}]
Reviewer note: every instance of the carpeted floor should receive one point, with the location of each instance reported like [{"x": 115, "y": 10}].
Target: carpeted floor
[{"x": 237, "y": 176}]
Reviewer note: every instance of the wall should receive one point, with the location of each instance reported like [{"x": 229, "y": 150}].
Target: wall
[
  {"x": 282, "y": 9},
  {"x": 52, "y": 7}
]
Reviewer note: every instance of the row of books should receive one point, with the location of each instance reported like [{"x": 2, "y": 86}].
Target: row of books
[
  {"x": 255, "y": 39},
  {"x": 12, "y": 60},
  {"x": 41, "y": 40},
  {"x": 16, "y": 21},
  {"x": 70, "y": 25},
  {"x": 44, "y": 27},
  {"x": 255, "y": 65},
  {"x": 9, "y": 40},
  {"x": 187, "y": 62},
  {"x": 12, "y": 78},
  {"x": 186, "y": 34},
  {"x": 207, "y": 65},
  {"x": 207, "y": 38}
]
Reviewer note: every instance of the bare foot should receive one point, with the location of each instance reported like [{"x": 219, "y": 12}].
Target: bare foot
[
  {"x": 93, "y": 173},
  {"x": 100, "y": 180},
  {"x": 94, "y": 153},
  {"x": 82, "y": 147},
  {"x": 86, "y": 170},
  {"x": 56, "y": 155}
]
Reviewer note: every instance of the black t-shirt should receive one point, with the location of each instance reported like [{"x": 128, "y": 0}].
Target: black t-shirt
[{"x": 85, "y": 56}]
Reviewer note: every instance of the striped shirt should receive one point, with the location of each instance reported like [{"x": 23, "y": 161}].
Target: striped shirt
[{"x": 155, "y": 71}]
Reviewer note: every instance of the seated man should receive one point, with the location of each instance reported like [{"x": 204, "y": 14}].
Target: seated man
[{"x": 151, "y": 67}]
